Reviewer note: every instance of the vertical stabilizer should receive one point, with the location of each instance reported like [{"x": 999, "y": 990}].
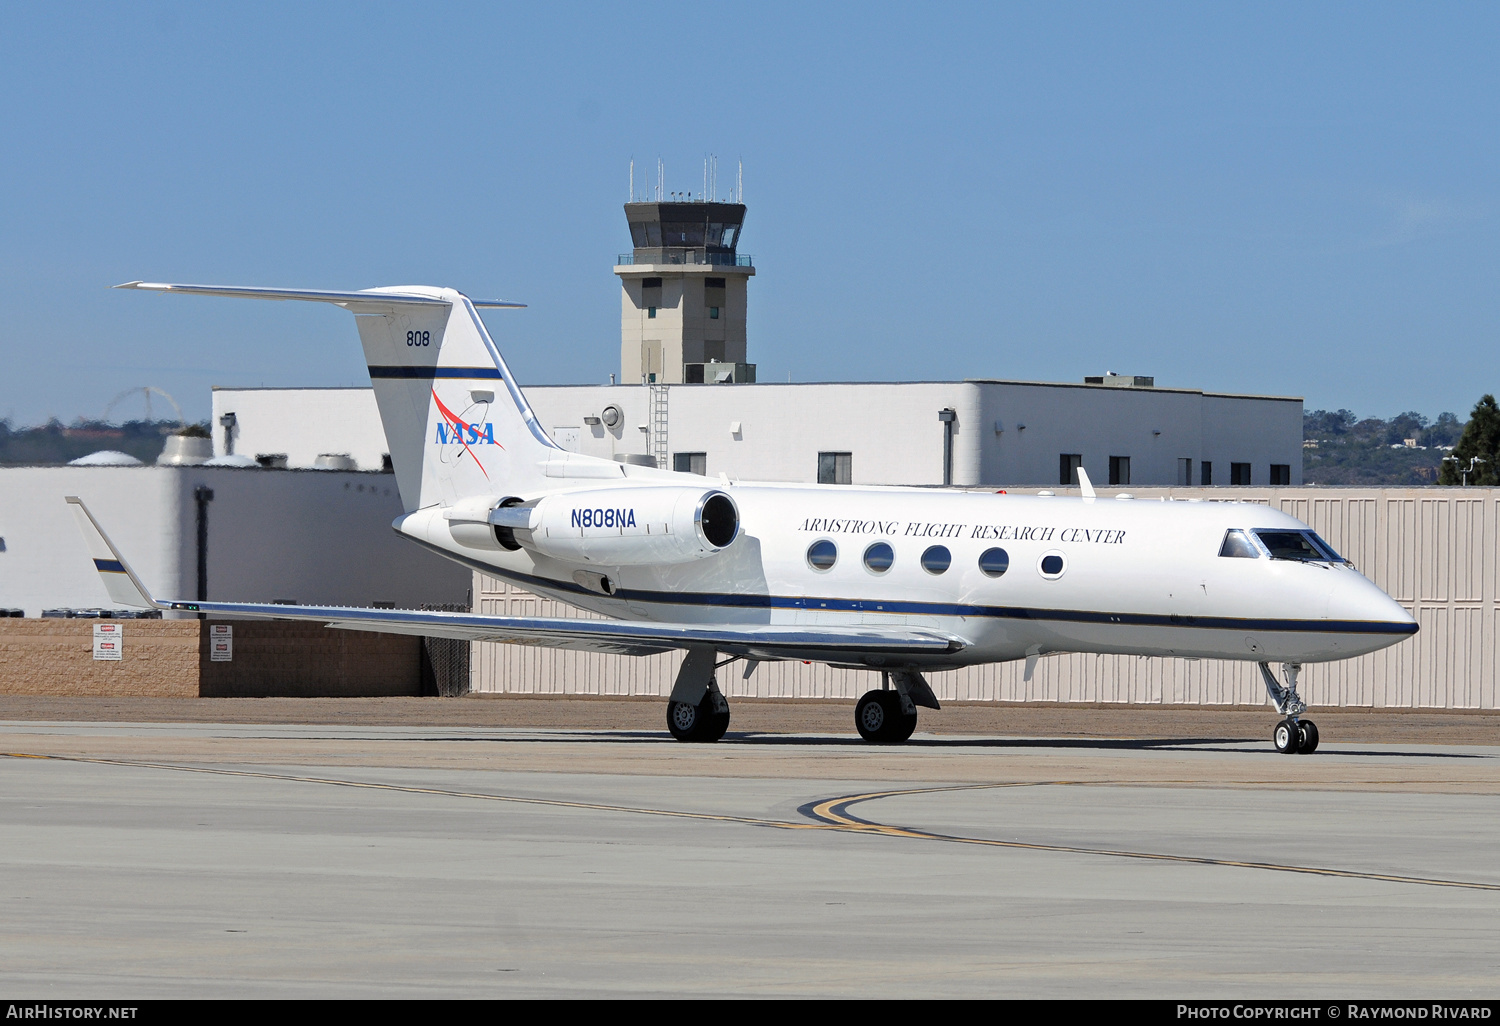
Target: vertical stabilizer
[
  {"x": 456, "y": 424},
  {"x": 455, "y": 421}
]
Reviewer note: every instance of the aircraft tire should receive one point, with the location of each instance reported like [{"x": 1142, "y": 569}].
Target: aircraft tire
[
  {"x": 696, "y": 723},
  {"x": 1308, "y": 741},
  {"x": 1286, "y": 737},
  {"x": 902, "y": 726},
  {"x": 879, "y": 719},
  {"x": 872, "y": 716},
  {"x": 717, "y": 724}
]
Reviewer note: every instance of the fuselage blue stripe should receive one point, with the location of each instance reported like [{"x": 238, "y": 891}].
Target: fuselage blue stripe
[
  {"x": 431, "y": 373},
  {"x": 943, "y": 608}
]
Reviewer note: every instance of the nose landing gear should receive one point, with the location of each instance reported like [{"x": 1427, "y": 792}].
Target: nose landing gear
[{"x": 1293, "y": 735}]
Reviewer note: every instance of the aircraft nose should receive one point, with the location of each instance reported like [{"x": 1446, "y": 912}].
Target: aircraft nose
[{"x": 1360, "y": 600}]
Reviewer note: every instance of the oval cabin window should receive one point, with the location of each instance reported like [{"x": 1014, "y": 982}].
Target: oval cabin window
[
  {"x": 994, "y": 562},
  {"x": 937, "y": 559},
  {"x": 879, "y": 558},
  {"x": 821, "y": 555}
]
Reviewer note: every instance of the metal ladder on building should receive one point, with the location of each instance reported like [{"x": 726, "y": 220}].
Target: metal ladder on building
[{"x": 659, "y": 425}]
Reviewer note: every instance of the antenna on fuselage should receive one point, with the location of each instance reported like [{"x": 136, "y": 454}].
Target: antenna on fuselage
[{"x": 1085, "y": 486}]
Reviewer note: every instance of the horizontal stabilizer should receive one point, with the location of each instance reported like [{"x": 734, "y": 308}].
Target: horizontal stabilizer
[{"x": 382, "y": 296}]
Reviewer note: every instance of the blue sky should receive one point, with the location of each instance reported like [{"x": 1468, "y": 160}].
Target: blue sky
[{"x": 1280, "y": 198}]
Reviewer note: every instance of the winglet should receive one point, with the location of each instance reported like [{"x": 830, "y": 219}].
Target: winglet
[
  {"x": 1085, "y": 486},
  {"x": 124, "y": 587}
]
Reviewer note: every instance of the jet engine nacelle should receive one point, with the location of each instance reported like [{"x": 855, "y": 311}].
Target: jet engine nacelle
[{"x": 625, "y": 526}]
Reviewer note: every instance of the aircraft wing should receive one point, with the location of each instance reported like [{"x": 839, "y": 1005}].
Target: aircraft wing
[{"x": 629, "y": 637}]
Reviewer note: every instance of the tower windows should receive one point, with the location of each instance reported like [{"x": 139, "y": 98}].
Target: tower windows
[
  {"x": 651, "y": 295},
  {"x": 713, "y": 296}
]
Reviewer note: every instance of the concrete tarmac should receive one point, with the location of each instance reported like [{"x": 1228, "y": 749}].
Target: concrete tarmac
[{"x": 190, "y": 859}]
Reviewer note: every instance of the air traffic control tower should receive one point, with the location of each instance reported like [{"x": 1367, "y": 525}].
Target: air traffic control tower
[{"x": 683, "y": 293}]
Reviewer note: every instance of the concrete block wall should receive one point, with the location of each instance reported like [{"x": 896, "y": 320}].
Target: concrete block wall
[
  {"x": 287, "y": 658},
  {"x": 160, "y": 658},
  {"x": 170, "y": 658}
]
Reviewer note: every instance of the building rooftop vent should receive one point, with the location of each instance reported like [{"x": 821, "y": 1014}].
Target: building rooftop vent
[
  {"x": 186, "y": 451},
  {"x": 1113, "y": 380},
  {"x": 105, "y": 458}
]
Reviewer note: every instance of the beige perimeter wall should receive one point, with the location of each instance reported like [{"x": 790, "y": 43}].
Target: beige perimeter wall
[{"x": 1432, "y": 549}]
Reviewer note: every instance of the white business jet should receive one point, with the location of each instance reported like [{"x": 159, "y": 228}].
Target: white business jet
[{"x": 898, "y": 581}]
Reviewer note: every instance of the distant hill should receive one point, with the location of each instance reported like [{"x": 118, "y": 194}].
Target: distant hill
[
  {"x": 53, "y": 444},
  {"x": 1340, "y": 449}
]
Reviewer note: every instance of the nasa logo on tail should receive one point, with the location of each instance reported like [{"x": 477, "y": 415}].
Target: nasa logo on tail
[{"x": 457, "y": 434}]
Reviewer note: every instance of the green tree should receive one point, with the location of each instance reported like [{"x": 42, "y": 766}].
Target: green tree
[{"x": 1482, "y": 439}]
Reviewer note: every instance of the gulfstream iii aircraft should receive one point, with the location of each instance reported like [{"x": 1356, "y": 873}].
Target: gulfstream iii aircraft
[{"x": 898, "y": 581}]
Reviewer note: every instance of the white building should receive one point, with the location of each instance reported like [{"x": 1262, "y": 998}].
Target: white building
[
  {"x": 292, "y": 427},
  {"x": 311, "y": 536},
  {"x": 1003, "y": 433}
]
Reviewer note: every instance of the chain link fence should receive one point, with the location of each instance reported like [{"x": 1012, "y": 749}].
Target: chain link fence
[{"x": 445, "y": 661}]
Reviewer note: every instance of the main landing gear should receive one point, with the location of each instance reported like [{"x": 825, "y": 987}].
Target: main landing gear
[
  {"x": 1293, "y": 735},
  {"x": 698, "y": 710},
  {"x": 706, "y": 721},
  {"x": 889, "y": 716}
]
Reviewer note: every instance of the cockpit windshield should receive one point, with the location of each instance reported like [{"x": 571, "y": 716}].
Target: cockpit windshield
[
  {"x": 1303, "y": 546},
  {"x": 1237, "y": 544}
]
